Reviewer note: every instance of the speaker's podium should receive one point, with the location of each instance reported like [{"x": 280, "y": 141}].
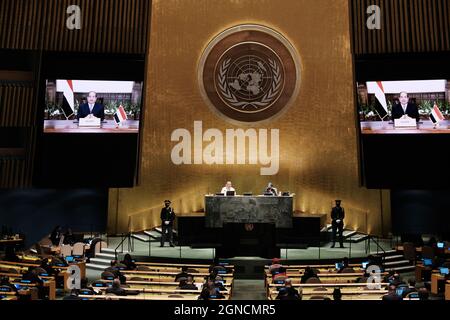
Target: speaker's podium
[{"x": 248, "y": 223}]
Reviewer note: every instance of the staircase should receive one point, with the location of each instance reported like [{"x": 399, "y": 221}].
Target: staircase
[
  {"x": 102, "y": 260},
  {"x": 152, "y": 235},
  {"x": 394, "y": 261},
  {"x": 349, "y": 235}
]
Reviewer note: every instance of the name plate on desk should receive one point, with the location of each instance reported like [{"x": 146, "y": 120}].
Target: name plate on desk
[
  {"x": 405, "y": 123},
  {"x": 91, "y": 122}
]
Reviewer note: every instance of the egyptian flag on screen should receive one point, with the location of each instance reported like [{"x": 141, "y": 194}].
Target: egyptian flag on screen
[
  {"x": 120, "y": 115},
  {"x": 68, "y": 101},
  {"x": 380, "y": 103},
  {"x": 436, "y": 115}
]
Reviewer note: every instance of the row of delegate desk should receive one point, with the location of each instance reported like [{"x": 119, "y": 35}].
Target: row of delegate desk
[
  {"x": 157, "y": 282},
  {"x": 15, "y": 270},
  {"x": 329, "y": 280}
]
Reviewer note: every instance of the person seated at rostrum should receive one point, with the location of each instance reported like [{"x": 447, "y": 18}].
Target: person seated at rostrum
[
  {"x": 128, "y": 262},
  {"x": 288, "y": 292}
]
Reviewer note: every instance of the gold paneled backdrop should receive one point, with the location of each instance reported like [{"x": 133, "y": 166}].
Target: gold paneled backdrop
[{"x": 318, "y": 134}]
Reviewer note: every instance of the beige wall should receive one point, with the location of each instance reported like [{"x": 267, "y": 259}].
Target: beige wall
[{"x": 318, "y": 143}]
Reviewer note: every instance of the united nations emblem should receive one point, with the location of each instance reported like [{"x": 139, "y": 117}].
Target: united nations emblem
[{"x": 249, "y": 73}]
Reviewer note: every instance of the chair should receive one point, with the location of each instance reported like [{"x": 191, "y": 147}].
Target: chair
[
  {"x": 78, "y": 249},
  {"x": 99, "y": 246},
  {"x": 313, "y": 280},
  {"x": 348, "y": 270},
  {"x": 427, "y": 252},
  {"x": 66, "y": 250},
  {"x": 190, "y": 270},
  {"x": 175, "y": 296},
  {"x": 409, "y": 251}
]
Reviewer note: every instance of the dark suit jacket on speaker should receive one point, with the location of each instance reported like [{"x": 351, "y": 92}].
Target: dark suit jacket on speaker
[
  {"x": 98, "y": 111},
  {"x": 411, "y": 111}
]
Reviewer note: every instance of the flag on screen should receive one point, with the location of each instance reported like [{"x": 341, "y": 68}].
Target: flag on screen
[
  {"x": 380, "y": 103},
  {"x": 436, "y": 115},
  {"x": 120, "y": 115},
  {"x": 68, "y": 100}
]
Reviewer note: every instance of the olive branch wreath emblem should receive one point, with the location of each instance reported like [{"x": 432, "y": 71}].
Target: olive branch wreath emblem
[{"x": 266, "y": 100}]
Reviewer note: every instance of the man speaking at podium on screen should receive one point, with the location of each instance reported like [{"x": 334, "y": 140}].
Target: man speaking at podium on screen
[
  {"x": 405, "y": 108},
  {"x": 91, "y": 108}
]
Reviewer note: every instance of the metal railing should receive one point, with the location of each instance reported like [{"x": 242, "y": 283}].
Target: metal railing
[
  {"x": 124, "y": 236},
  {"x": 379, "y": 247}
]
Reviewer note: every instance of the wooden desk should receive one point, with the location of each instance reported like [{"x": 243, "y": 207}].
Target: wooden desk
[
  {"x": 11, "y": 242},
  {"x": 419, "y": 249},
  {"x": 48, "y": 284},
  {"x": 387, "y": 127},
  {"x": 420, "y": 269},
  {"x": 68, "y": 126},
  {"x": 435, "y": 279},
  {"x": 447, "y": 290},
  {"x": 199, "y": 274},
  {"x": 179, "y": 265}
]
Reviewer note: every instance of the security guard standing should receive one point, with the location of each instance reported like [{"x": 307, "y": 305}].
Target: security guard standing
[
  {"x": 167, "y": 218},
  {"x": 337, "y": 223}
]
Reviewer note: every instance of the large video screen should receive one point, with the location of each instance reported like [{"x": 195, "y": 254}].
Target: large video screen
[
  {"x": 404, "y": 107},
  {"x": 92, "y": 106}
]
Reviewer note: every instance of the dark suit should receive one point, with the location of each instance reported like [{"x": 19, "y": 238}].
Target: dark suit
[
  {"x": 337, "y": 213},
  {"x": 167, "y": 214},
  {"x": 98, "y": 111},
  {"x": 411, "y": 110}
]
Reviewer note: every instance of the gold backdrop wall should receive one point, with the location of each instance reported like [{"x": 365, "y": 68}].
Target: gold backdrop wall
[{"x": 318, "y": 133}]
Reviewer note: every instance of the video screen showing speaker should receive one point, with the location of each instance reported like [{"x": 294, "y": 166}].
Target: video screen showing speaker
[
  {"x": 89, "y": 123},
  {"x": 404, "y": 107},
  {"x": 92, "y": 106}
]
